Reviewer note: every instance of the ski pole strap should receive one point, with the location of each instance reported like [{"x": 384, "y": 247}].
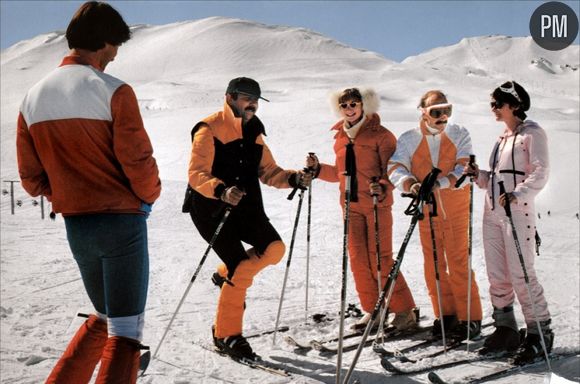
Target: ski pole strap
[
  {"x": 297, "y": 187},
  {"x": 508, "y": 211},
  {"x": 428, "y": 184},
  {"x": 413, "y": 207}
]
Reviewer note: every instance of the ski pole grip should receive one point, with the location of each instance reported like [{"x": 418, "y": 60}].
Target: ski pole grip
[
  {"x": 310, "y": 154},
  {"x": 428, "y": 184},
  {"x": 471, "y": 162},
  {"x": 507, "y": 208},
  {"x": 374, "y": 179}
]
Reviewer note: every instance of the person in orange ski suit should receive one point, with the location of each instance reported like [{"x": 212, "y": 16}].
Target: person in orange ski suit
[
  {"x": 447, "y": 147},
  {"x": 229, "y": 158},
  {"x": 373, "y": 145}
]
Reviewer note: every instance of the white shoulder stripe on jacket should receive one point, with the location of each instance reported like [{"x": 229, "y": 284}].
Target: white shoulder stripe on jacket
[{"x": 75, "y": 91}]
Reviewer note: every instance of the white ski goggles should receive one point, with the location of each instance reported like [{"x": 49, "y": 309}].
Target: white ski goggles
[{"x": 438, "y": 110}]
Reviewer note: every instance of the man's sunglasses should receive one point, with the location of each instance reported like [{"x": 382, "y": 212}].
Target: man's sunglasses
[
  {"x": 438, "y": 110},
  {"x": 497, "y": 104},
  {"x": 352, "y": 104}
]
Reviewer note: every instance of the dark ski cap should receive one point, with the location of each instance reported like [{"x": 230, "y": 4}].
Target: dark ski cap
[{"x": 246, "y": 86}]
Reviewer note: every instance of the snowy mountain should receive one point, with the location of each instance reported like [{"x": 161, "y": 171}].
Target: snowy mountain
[{"x": 179, "y": 72}]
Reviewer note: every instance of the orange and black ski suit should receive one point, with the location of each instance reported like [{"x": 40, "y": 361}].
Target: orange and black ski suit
[
  {"x": 417, "y": 153},
  {"x": 373, "y": 146},
  {"x": 224, "y": 153}
]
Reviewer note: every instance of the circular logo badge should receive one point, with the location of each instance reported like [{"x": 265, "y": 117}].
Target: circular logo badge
[{"x": 554, "y": 26}]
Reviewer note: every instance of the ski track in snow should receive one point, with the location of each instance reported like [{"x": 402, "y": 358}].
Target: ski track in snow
[{"x": 41, "y": 289}]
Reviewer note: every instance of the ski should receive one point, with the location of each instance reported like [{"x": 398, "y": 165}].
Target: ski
[
  {"x": 451, "y": 345},
  {"x": 389, "y": 366},
  {"x": 296, "y": 344},
  {"x": 390, "y": 335},
  {"x": 503, "y": 370},
  {"x": 145, "y": 357},
  {"x": 400, "y": 354},
  {"x": 260, "y": 364},
  {"x": 267, "y": 332}
]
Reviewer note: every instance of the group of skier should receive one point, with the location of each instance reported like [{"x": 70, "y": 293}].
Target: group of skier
[
  {"x": 82, "y": 144},
  {"x": 519, "y": 158}
]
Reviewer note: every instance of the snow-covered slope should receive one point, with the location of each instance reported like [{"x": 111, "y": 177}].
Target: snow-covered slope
[{"x": 180, "y": 72}]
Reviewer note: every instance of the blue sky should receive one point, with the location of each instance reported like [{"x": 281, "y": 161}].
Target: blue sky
[{"x": 395, "y": 29}]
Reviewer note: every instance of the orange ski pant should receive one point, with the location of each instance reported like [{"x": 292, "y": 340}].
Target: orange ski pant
[
  {"x": 451, "y": 239},
  {"x": 230, "y": 311},
  {"x": 363, "y": 259}
]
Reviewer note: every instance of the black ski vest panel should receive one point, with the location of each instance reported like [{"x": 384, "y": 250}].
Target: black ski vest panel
[{"x": 237, "y": 163}]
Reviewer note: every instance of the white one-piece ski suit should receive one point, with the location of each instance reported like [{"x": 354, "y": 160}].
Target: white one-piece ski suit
[{"x": 520, "y": 160}]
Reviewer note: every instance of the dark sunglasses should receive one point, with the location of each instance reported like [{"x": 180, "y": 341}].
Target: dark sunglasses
[
  {"x": 351, "y": 104},
  {"x": 497, "y": 104}
]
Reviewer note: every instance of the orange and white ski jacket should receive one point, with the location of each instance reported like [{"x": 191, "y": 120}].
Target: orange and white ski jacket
[
  {"x": 419, "y": 151},
  {"x": 81, "y": 143}
]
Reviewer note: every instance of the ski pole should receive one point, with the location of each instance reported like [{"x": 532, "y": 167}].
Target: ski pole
[
  {"x": 416, "y": 211},
  {"x": 387, "y": 292},
  {"x": 300, "y": 198},
  {"x": 469, "y": 251},
  {"x": 227, "y": 211},
  {"x": 508, "y": 213},
  {"x": 433, "y": 212},
  {"x": 308, "y": 220},
  {"x": 349, "y": 195},
  {"x": 375, "y": 179},
  {"x": 344, "y": 274}
]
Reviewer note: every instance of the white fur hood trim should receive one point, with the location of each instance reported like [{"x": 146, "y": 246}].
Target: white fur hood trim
[{"x": 370, "y": 101}]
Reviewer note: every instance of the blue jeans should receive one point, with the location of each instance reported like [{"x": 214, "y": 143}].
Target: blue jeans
[{"x": 111, "y": 252}]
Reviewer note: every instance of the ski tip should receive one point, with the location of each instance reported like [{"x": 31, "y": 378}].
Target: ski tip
[
  {"x": 434, "y": 378},
  {"x": 387, "y": 365}
]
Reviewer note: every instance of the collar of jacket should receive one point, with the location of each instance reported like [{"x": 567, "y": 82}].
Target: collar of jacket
[
  {"x": 76, "y": 59},
  {"x": 372, "y": 123},
  {"x": 227, "y": 127},
  {"x": 425, "y": 131}
]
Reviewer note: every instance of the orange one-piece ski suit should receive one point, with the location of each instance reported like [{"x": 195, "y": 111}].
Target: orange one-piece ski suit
[{"x": 418, "y": 151}]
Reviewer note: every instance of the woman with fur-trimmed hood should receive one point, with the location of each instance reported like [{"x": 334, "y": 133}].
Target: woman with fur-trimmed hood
[{"x": 373, "y": 146}]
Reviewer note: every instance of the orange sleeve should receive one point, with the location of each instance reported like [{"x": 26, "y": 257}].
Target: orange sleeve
[
  {"x": 132, "y": 146},
  {"x": 270, "y": 173},
  {"x": 32, "y": 174},
  {"x": 201, "y": 162}
]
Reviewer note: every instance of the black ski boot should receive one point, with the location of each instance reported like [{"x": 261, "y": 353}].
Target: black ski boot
[
  {"x": 532, "y": 347},
  {"x": 449, "y": 322},
  {"x": 459, "y": 332},
  {"x": 237, "y": 347},
  {"x": 502, "y": 339},
  {"x": 506, "y": 337}
]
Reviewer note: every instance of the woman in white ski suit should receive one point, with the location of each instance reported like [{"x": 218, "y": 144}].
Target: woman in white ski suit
[{"x": 519, "y": 159}]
